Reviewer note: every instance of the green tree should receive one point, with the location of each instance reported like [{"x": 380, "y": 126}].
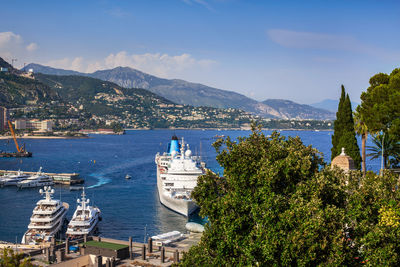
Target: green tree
[
  {"x": 380, "y": 103},
  {"x": 373, "y": 209},
  {"x": 9, "y": 258},
  {"x": 361, "y": 129},
  {"x": 391, "y": 148},
  {"x": 272, "y": 206},
  {"x": 344, "y": 133},
  {"x": 117, "y": 127},
  {"x": 278, "y": 205}
]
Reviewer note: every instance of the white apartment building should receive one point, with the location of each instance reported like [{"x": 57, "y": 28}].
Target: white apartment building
[{"x": 46, "y": 125}]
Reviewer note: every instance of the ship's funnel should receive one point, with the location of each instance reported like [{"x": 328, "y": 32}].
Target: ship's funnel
[{"x": 174, "y": 145}]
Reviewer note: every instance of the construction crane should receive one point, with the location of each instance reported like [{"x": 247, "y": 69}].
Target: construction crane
[
  {"x": 15, "y": 139},
  {"x": 21, "y": 152}
]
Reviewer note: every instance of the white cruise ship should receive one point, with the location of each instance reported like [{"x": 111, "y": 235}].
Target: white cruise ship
[
  {"x": 37, "y": 180},
  {"x": 177, "y": 172},
  {"x": 13, "y": 179},
  {"x": 47, "y": 218},
  {"x": 85, "y": 219}
]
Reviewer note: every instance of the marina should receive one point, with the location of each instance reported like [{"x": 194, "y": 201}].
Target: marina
[
  {"x": 129, "y": 207},
  {"x": 58, "y": 178}
]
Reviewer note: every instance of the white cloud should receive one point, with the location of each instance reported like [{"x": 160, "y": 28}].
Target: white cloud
[
  {"x": 13, "y": 46},
  {"x": 7, "y": 38},
  {"x": 77, "y": 63},
  {"x": 203, "y": 3},
  {"x": 64, "y": 63},
  {"x": 162, "y": 65},
  {"x": 31, "y": 47},
  {"x": 312, "y": 40},
  {"x": 322, "y": 41},
  {"x": 9, "y": 44}
]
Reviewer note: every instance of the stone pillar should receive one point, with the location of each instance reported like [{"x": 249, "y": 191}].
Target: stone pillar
[
  {"x": 85, "y": 238},
  {"x": 52, "y": 252},
  {"x": 99, "y": 261},
  {"x": 144, "y": 252},
  {"x": 67, "y": 245},
  {"x": 53, "y": 241},
  {"x": 47, "y": 253},
  {"x": 82, "y": 250},
  {"x": 176, "y": 256},
  {"x": 162, "y": 255},
  {"x": 130, "y": 248},
  {"x": 60, "y": 255},
  {"x": 113, "y": 262},
  {"x": 108, "y": 263},
  {"x": 150, "y": 245}
]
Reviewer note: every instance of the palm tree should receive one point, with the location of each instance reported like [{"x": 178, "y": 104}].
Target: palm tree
[
  {"x": 391, "y": 147},
  {"x": 361, "y": 129}
]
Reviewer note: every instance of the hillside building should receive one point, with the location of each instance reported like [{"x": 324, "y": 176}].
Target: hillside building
[
  {"x": 3, "y": 118},
  {"x": 37, "y": 125}
]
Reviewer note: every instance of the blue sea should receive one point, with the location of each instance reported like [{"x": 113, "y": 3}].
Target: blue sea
[{"x": 129, "y": 207}]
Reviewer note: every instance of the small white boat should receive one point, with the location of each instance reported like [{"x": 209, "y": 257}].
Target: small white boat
[
  {"x": 13, "y": 179},
  {"x": 127, "y": 177},
  {"x": 167, "y": 238},
  {"x": 37, "y": 180}
]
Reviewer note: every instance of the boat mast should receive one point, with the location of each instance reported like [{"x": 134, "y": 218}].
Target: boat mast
[
  {"x": 47, "y": 191},
  {"x": 83, "y": 202}
]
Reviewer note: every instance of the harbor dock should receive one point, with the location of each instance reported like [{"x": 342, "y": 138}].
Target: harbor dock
[
  {"x": 100, "y": 251},
  {"x": 58, "y": 178}
]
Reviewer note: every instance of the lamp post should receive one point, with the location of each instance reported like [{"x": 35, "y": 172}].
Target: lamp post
[{"x": 383, "y": 148}]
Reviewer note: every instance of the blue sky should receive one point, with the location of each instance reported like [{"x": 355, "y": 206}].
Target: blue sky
[{"x": 297, "y": 50}]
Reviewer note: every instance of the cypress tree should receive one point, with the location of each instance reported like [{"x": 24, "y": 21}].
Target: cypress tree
[{"x": 344, "y": 134}]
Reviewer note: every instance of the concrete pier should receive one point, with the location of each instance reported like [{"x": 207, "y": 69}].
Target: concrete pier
[{"x": 58, "y": 178}]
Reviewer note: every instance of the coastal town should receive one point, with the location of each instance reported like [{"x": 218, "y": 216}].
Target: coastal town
[{"x": 199, "y": 133}]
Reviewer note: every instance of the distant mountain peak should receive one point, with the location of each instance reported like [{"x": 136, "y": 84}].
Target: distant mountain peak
[
  {"x": 331, "y": 104},
  {"x": 289, "y": 109}
]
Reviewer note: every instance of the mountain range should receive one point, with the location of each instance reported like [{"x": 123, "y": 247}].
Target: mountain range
[
  {"x": 331, "y": 105},
  {"x": 195, "y": 94},
  {"x": 19, "y": 90}
]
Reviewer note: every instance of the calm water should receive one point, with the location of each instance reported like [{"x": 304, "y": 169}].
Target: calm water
[{"x": 129, "y": 207}]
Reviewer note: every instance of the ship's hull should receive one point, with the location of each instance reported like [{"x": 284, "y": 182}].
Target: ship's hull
[
  {"x": 30, "y": 235},
  {"x": 34, "y": 184},
  {"x": 181, "y": 206},
  {"x": 83, "y": 231}
]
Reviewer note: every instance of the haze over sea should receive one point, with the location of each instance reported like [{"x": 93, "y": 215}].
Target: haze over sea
[{"x": 129, "y": 207}]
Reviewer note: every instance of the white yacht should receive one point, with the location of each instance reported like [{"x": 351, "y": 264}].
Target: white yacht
[
  {"x": 37, "y": 180},
  {"x": 177, "y": 172},
  {"x": 47, "y": 218},
  {"x": 85, "y": 219},
  {"x": 13, "y": 179}
]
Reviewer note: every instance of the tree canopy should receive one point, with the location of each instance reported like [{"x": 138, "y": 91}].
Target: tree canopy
[
  {"x": 9, "y": 258},
  {"x": 278, "y": 204},
  {"x": 344, "y": 134},
  {"x": 380, "y": 103}
]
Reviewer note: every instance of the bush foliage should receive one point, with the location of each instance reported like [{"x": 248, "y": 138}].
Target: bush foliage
[{"x": 277, "y": 204}]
